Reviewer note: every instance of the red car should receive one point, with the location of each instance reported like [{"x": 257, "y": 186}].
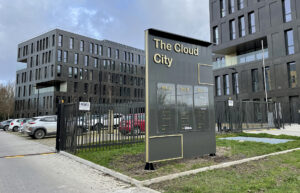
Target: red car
[{"x": 133, "y": 124}]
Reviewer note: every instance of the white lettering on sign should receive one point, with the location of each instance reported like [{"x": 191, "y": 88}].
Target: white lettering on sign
[{"x": 84, "y": 106}]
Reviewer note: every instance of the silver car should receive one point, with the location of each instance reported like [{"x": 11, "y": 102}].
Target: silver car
[{"x": 39, "y": 127}]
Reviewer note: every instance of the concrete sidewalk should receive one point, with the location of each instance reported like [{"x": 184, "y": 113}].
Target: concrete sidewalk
[
  {"x": 292, "y": 130},
  {"x": 47, "y": 173}
]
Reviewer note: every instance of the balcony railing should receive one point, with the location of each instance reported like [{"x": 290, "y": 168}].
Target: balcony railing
[{"x": 240, "y": 59}]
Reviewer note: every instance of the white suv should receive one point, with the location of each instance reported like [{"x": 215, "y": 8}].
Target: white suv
[{"x": 39, "y": 127}]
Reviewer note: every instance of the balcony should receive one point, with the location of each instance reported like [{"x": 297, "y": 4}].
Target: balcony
[
  {"x": 233, "y": 60},
  {"x": 21, "y": 66}
]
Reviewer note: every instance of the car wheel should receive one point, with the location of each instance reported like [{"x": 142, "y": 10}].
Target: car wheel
[
  {"x": 39, "y": 134},
  {"x": 15, "y": 129},
  {"x": 136, "y": 131},
  {"x": 5, "y": 128}
]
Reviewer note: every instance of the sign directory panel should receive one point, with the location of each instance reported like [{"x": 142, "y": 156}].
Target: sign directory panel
[{"x": 179, "y": 97}]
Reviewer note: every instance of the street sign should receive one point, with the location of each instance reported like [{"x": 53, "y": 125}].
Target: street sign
[
  {"x": 179, "y": 97},
  {"x": 84, "y": 106}
]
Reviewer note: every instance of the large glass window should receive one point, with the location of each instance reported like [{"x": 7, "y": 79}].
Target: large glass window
[
  {"x": 251, "y": 19},
  {"x": 218, "y": 85},
  {"x": 289, "y": 42},
  {"x": 70, "y": 72},
  {"x": 75, "y": 72},
  {"x": 58, "y": 70},
  {"x": 254, "y": 75},
  {"x": 235, "y": 83},
  {"x": 215, "y": 35},
  {"x": 232, "y": 29},
  {"x": 226, "y": 84},
  {"x": 287, "y": 13},
  {"x": 91, "y": 47},
  {"x": 109, "y": 52},
  {"x": 222, "y": 8},
  {"x": 117, "y": 54},
  {"x": 242, "y": 31},
  {"x": 100, "y": 50},
  {"x": 292, "y": 75},
  {"x": 231, "y": 6},
  {"x": 240, "y": 4}
]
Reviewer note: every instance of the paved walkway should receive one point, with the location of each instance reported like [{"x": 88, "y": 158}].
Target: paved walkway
[
  {"x": 293, "y": 130},
  {"x": 49, "y": 172}
]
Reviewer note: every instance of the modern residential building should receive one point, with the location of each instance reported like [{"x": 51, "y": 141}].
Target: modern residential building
[
  {"x": 238, "y": 28},
  {"x": 63, "y": 65}
]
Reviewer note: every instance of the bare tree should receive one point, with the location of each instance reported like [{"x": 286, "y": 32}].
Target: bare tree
[{"x": 7, "y": 100}]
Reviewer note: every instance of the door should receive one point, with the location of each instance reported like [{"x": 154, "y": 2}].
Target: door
[{"x": 295, "y": 109}]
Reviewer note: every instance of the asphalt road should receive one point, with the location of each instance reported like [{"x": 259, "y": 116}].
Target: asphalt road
[{"x": 49, "y": 172}]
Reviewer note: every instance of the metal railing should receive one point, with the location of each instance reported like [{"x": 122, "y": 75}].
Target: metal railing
[{"x": 105, "y": 125}]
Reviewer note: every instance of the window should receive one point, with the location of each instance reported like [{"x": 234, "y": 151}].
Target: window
[
  {"x": 31, "y": 48},
  {"x": 53, "y": 40},
  {"x": 70, "y": 72},
  {"x": 268, "y": 78},
  {"x": 117, "y": 54},
  {"x": 292, "y": 75},
  {"x": 226, "y": 84},
  {"x": 251, "y": 18},
  {"x": 222, "y": 8},
  {"x": 86, "y": 88},
  {"x": 52, "y": 70},
  {"x": 91, "y": 47},
  {"x": 85, "y": 74},
  {"x": 90, "y": 75},
  {"x": 45, "y": 72},
  {"x": 65, "y": 56},
  {"x": 218, "y": 85},
  {"x": 96, "y": 62},
  {"x": 235, "y": 83},
  {"x": 287, "y": 13},
  {"x": 96, "y": 49},
  {"x": 100, "y": 50},
  {"x": 216, "y": 35},
  {"x": 80, "y": 74},
  {"x": 76, "y": 58},
  {"x": 86, "y": 60},
  {"x": 59, "y": 55},
  {"x": 81, "y": 45},
  {"x": 254, "y": 75},
  {"x": 231, "y": 6},
  {"x": 240, "y": 4},
  {"x": 242, "y": 31},
  {"x": 58, "y": 70},
  {"x": 75, "y": 73},
  {"x": 289, "y": 42},
  {"x": 232, "y": 29},
  {"x": 109, "y": 52},
  {"x": 60, "y": 40},
  {"x": 71, "y": 43}
]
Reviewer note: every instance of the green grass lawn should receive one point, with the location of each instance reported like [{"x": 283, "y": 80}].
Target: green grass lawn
[
  {"x": 273, "y": 174},
  {"x": 129, "y": 160}
]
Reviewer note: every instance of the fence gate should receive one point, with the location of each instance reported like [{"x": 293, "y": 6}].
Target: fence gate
[{"x": 105, "y": 125}]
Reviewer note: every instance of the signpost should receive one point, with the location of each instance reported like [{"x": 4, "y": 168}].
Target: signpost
[{"x": 179, "y": 97}]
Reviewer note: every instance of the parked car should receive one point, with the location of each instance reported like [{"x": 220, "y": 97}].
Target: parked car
[
  {"x": 5, "y": 124},
  {"x": 23, "y": 124},
  {"x": 117, "y": 119},
  {"x": 133, "y": 124},
  {"x": 15, "y": 124},
  {"x": 39, "y": 127}
]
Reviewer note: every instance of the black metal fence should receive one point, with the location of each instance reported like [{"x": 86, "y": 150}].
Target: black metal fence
[
  {"x": 244, "y": 115},
  {"x": 105, "y": 125}
]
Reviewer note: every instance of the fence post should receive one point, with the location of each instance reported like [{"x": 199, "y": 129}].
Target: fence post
[{"x": 59, "y": 126}]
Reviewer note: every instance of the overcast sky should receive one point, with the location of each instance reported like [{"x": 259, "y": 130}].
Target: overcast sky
[{"x": 122, "y": 21}]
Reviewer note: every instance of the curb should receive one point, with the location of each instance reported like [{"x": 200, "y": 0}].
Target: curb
[
  {"x": 222, "y": 165},
  {"x": 108, "y": 171}
]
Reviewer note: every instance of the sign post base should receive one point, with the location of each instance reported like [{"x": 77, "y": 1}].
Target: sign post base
[{"x": 149, "y": 166}]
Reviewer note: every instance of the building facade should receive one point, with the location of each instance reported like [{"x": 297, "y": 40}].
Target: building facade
[
  {"x": 60, "y": 65},
  {"x": 246, "y": 31}
]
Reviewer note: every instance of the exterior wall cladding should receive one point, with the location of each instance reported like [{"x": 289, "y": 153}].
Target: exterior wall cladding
[
  {"x": 64, "y": 65},
  {"x": 237, "y": 28}
]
